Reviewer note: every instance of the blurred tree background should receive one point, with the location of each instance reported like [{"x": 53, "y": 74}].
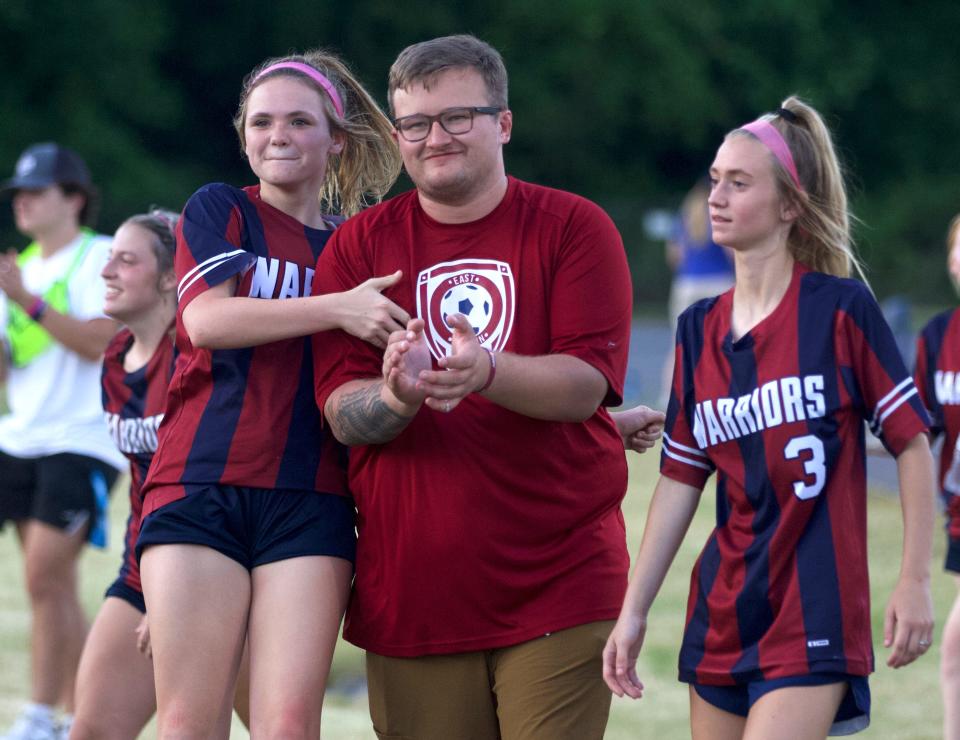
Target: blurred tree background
[{"x": 624, "y": 101}]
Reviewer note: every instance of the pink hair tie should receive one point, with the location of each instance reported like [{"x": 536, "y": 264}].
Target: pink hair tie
[
  {"x": 313, "y": 74},
  {"x": 774, "y": 141}
]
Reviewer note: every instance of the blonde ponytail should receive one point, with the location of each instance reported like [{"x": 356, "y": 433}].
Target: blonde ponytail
[{"x": 820, "y": 237}]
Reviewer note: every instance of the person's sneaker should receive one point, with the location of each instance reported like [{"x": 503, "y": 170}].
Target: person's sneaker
[
  {"x": 36, "y": 722},
  {"x": 63, "y": 728}
]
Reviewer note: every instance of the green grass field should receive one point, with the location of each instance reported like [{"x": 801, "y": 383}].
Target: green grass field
[{"x": 906, "y": 703}]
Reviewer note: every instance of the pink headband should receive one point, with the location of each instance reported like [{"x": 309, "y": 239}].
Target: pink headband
[
  {"x": 313, "y": 74},
  {"x": 774, "y": 141}
]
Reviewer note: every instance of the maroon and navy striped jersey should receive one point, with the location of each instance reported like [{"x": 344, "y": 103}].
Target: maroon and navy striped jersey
[
  {"x": 133, "y": 404},
  {"x": 937, "y": 376},
  {"x": 781, "y": 586},
  {"x": 246, "y": 416}
]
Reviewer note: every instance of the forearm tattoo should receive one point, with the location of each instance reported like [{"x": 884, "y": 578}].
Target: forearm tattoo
[{"x": 362, "y": 418}]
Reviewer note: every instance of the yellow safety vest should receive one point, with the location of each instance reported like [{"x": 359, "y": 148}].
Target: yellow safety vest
[{"x": 27, "y": 338}]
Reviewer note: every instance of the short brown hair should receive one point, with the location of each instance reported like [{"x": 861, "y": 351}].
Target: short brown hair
[
  {"x": 425, "y": 61},
  {"x": 91, "y": 202}
]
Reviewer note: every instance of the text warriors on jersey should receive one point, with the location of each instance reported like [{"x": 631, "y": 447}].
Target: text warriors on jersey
[{"x": 776, "y": 402}]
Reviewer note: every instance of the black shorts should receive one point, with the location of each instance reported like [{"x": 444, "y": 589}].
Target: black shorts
[
  {"x": 952, "y": 561},
  {"x": 66, "y": 491},
  {"x": 120, "y": 590},
  {"x": 852, "y": 716},
  {"x": 255, "y": 526}
]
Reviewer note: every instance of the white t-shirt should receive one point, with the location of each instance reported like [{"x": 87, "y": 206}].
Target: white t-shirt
[{"x": 55, "y": 401}]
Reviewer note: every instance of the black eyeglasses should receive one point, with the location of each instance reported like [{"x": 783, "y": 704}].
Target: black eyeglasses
[{"x": 453, "y": 120}]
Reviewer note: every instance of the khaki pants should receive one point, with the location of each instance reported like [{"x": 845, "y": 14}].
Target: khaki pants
[{"x": 549, "y": 688}]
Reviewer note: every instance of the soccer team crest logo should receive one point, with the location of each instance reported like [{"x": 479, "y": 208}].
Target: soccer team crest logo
[{"x": 482, "y": 290}]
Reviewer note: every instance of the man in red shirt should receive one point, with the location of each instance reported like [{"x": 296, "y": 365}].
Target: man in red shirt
[{"x": 486, "y": 470}]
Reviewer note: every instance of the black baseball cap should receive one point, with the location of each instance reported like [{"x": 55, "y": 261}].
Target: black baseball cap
[{"x": 46, "y": 164}]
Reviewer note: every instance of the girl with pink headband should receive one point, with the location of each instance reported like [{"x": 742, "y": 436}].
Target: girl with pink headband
[
  {"x": 772, "y": 384},
  {"x": 247, "y": 531}
]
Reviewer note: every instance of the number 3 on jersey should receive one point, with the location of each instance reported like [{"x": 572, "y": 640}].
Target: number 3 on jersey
[{"x": 813, "y": 466}]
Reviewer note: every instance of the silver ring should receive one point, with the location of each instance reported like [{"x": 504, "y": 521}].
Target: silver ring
[{"x": 923, "y": 643}]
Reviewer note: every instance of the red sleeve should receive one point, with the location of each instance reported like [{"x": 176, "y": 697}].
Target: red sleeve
[{"x": 591, "y": 300}]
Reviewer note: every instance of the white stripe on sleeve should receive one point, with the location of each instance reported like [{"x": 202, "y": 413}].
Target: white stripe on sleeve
[
  {"x": 692, "y": 450},
  {"x": 203, "y": 268},
  {"x": 687, "y": 460}
]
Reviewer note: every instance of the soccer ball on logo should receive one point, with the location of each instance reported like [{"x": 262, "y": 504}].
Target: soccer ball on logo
[{"x": 473, "y": 301}]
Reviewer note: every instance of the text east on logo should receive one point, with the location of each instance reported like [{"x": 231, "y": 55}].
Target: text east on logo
[{"x": 482, "y": 290}]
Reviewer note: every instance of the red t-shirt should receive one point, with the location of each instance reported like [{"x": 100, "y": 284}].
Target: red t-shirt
[{"x": 483, "y": 528}]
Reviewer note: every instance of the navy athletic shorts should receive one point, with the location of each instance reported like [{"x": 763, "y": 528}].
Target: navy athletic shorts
[
  {"x": 255, "y": 526},
  {"x": 67, "y": 491},
  {"x": 952, "y": 560},
  {"x": 120, "y": 590},
  {"x": 852, "y": 716}
]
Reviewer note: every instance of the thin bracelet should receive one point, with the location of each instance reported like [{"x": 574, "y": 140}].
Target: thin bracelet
[
  {"x": 493, "y": 370},
  {"x": 37, "y": 309}
]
